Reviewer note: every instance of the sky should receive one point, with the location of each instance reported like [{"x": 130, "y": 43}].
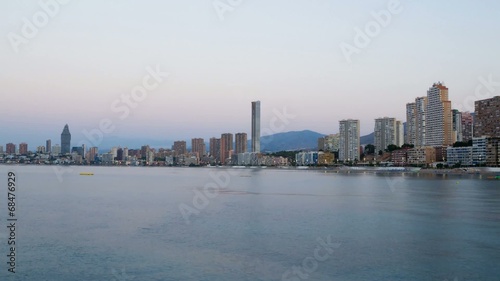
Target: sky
[{"x": 72, "y": 61}]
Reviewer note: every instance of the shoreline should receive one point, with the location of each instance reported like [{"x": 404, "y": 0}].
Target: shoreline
[{"x": 492, "y": 172}]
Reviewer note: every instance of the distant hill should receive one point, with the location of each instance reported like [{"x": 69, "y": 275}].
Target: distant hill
[
  {"x": 297, "y": 140},
  {"x": 368, "y": 139},
  {"x": 294, "y": 140}
]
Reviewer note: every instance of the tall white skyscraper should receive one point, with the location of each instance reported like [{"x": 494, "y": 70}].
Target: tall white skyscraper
[
  {"x": 256, "y": 126},
  {"x": 349, "y": 140},
  {"x": 400, "y": 133}
]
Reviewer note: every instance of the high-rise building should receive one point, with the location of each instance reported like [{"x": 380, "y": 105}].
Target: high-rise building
[
  {"x": 416, "y": 122},
  {"x": 198, "y": 146},
  {"x": 180, "y": 148},
  {"x": 56, "y": 149},
  {"x": 411, "y": 123},
  {"x": 457, "y": 125},
  {"x": 150, "y": 158},
  {"x": 65, "y": 140},
  {"x": 10, "y": 148},
  {"x": 226, "y": 147},
  {"x": 84, "y": 149},
  {"x": 215, "y": 149},
  {"x": 144, "y": 151},
  {"x": 487, "y": 117},
  {"x": 400, "y": 133},
  {"x": 23, "y": 148},
  {"x": 1, "y": 149},
  {"x": 91, "y": 155},
  {"x": 240, "y": 143},
  {"x": 119, "y": 154},
  {"x": 114, "y": 152},
  {"x": 256, "y": 126},
  {"x": 48, "y": 146},
  {"x": 467, "y": 126},
  {"x": 439, "y": 121},
  {"x": 420, "y": 116},
  {"x": 349, "y": 142},
  {"x": 385, "y": 133}
]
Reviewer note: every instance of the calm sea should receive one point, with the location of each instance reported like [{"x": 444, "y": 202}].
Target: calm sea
[{"x": 248, "y": 224}]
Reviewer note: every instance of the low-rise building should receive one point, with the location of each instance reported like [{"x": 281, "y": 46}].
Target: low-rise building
[
  {"x": 247, "y": 159},
  {"x": 425, "y": 155},
  {"x": 400, "y": 157},
  {"x": 306, "y": 158},
  {"x": 459, "y": 155},
  {"x": 479, "y": 151},
  {"x": 325, "y": 158},
  {"x": 441, "y": 153}
]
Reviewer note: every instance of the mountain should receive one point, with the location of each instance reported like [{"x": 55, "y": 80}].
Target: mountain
[
  {"x": 297, "y": 140},
  {"x": 368, "y": 139},
  {"x": 294, "y": 140}
]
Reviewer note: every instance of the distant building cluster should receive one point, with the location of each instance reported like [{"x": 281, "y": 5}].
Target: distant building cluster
[
  {"x": 439, "y": 134},
  {"x": 433, "y": 134},
  {"x": 225, "y": 150}
]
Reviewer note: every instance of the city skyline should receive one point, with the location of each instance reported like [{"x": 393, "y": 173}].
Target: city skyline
[
  {"x": 445, "y": 131},
  {"x": 214, "y": 64},
  {"x": 416, "y": 113}
]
